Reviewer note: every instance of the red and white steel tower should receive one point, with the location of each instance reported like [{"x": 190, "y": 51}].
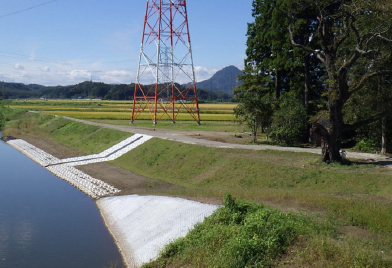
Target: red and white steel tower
[{"x": 165, "y": 82}]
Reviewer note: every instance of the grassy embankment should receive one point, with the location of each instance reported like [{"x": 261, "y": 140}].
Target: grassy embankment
[
  {"x": 340, "y": 215},
  {"x": 83, "y": 138}
]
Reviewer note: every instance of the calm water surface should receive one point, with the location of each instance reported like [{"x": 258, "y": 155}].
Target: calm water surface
[{"x": 45, "y": 222}]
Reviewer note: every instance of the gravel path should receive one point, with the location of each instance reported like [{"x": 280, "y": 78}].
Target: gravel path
[{"x": 188, "y": 137}]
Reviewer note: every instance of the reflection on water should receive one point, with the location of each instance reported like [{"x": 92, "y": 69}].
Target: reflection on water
[
  {"x": 23, "y": 233},
  {"x": 45, "y": 222}
]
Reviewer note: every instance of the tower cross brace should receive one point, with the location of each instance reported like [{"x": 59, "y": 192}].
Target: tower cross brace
[{"x": 165, "y": 83}]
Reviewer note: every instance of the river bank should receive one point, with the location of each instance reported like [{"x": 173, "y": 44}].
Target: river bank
[
  {"x": 353, "y": 198},
  {"x": 46, "y": 223},
  {"x": 140, "y": 225}
]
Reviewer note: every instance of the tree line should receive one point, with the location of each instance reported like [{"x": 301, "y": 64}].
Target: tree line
[
  {"x": 319, "y": 67},
  {"x": 88, "y": 89}
]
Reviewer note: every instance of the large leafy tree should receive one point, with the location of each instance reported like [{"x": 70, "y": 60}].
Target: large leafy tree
[
  {"x": 273, "y": 65},
  {"x": 373, "y": 99},
  {"x": 352, "y": 37}
]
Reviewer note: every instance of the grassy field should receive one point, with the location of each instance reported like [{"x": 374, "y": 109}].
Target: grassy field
[{"x": 323, "y": 215}]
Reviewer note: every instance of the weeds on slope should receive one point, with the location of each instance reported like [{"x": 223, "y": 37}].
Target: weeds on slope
[{"x": 245, "y": 234}]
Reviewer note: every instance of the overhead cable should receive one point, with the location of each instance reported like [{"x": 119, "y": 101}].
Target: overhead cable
[{"x": 26, "y": 9}]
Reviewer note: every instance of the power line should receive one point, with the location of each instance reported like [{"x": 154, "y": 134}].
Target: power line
[
  {"x": 26, "y": 9},
  {"x": 27, "y": 67},
  {"x": 21, "y": 56},
  {"x": 45, "y": 59}
]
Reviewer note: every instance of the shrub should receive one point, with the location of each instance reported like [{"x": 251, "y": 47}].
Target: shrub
[
  {"x": 289, "y": 121},
  {"x": 368, "y": 145},
  {"x": 240, "y": 234}
]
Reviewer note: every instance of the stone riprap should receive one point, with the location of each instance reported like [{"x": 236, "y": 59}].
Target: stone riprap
[
  {"x": 84, "y": 182},
  {"x": 63, "y": 168},
  {"x": 34, "y": 153}
]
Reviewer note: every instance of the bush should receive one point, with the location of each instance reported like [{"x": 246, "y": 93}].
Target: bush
[
  {"x": 240, "y": 234},
  {"x": 368, "y": 146},
  {"x": 289, "y": 121}
]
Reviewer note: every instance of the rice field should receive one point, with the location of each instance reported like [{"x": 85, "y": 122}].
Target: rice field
[{"x": 120, "y": 110}]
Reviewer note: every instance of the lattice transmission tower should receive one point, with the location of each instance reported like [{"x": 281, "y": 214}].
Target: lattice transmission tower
[{"x": 165, "y": 83}]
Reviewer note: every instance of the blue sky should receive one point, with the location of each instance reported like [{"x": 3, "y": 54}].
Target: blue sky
[{"x": 63, "y": 42}]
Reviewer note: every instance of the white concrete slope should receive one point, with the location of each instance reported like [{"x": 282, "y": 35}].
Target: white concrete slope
[
  {"x": 143, "y": 225},
  {"x": 110, "y": 154},
  {"x": 64, "y": 168}
]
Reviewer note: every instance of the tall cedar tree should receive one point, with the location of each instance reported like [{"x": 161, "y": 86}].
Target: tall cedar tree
[{"x": 274, "y": 66}]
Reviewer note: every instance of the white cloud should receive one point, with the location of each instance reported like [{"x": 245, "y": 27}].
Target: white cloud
[
  {"x": 45, "y": 69},
  {"x": 115, "y": 77},
  {"x": 79, "y": 74},
  {"x": 66, "y": 74},
  {"x": 18, "y": 66},
  {"x": 203, "y": 73}
]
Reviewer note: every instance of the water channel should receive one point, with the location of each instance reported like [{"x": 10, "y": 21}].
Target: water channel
[{"x": 45, "y": 222}]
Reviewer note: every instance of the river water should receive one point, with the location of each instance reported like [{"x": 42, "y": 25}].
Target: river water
[{"x": 47, "y": 223}]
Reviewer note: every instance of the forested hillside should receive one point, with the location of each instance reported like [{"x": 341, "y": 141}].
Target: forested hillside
[{"x": 95, "y": 90}]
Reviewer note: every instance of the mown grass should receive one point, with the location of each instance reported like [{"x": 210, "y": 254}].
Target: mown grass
[
  {"x": 356, "y": 195},
  {"x": 85, "y": 138},
  {"x": 322, "y": 198},
  {"x": 272, "y": 176}
]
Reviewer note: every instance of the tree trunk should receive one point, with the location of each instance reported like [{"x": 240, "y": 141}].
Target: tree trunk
[
  {"x": 335, "y": 131},
  {"x": 384, "y": 140},
  {"x": 278, "y": 84},
  {"x": 337, "y": 96},
  {"x": 331, "y": 149},
  {"x": 331, "y": 137},
  {"x": 307, "y": 83}
]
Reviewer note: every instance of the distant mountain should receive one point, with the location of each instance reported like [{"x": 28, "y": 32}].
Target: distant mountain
[
  {"x": 220, "y": 86},
  {"x": 224, "y": 80}
]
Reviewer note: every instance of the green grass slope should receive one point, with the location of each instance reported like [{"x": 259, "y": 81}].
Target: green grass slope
[{"x": 329, "y": 215}]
